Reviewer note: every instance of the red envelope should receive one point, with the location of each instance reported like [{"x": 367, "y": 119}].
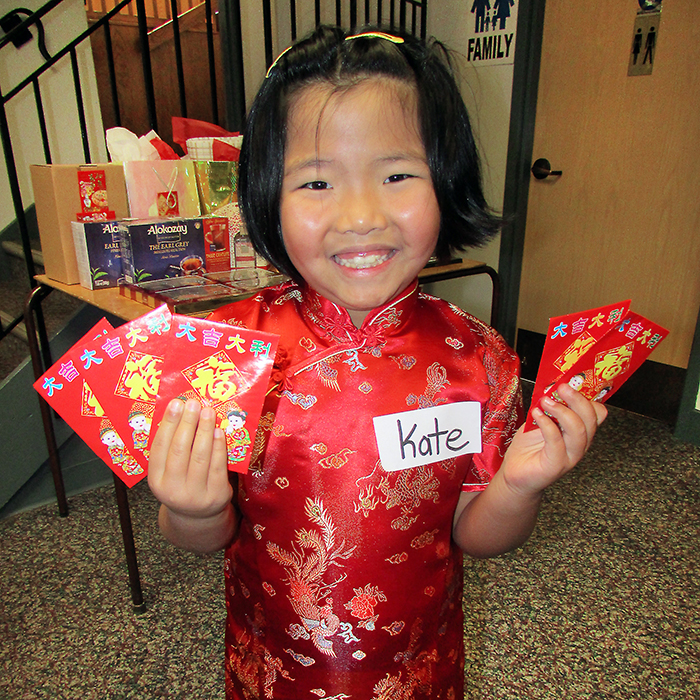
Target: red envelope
[
  {"x": 221, "y": 366},
  {"x": 123, "y": 369},
  {"x": 64, "y": 388}
]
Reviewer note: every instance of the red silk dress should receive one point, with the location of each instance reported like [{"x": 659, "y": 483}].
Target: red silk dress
[{"x": 344, "y": 581}]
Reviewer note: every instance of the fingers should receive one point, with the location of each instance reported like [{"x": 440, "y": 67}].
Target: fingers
[
  {"x": 601, "y": 411},
  {"x": 202, "y": 446},
  {"x": 160, "y": 446},
  {"x": 187, "y": 446},
  {"x": 576, "y": 421},
  {"x": 182, "y": 441},
  {"x": 590, "y": 412},
  {"x": 218, "y": 474}
]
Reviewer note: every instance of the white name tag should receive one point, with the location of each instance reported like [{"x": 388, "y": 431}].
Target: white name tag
[{"x": 413, "y": 438}]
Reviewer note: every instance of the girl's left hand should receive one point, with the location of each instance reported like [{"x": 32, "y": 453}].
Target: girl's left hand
[{"x": 538, "y": 458}]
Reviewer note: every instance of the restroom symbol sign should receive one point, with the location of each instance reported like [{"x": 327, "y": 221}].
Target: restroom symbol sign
[
  {"x": 490, "y": 34},
  {"x": 645, "y": 40}
]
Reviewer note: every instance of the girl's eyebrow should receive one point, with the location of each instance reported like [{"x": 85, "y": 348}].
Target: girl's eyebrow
[
  {"x": 388, "y": 159},
  {"x": 403, "y": 156},
  {"x": 306, "y": 164}
]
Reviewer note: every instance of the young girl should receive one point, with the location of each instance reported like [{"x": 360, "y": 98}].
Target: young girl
[{"x": 343, "y": 579}]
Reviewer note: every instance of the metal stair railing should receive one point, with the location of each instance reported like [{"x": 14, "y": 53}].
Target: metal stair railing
[{"x": 232, "y": 59}]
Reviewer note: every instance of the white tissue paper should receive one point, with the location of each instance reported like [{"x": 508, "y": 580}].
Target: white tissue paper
[{"x": 123, "y": 145}]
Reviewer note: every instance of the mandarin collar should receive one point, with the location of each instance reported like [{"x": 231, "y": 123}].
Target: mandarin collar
[{"x": 334, "y": 323}]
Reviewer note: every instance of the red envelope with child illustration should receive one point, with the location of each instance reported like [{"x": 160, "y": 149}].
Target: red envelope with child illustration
[
  {"x": 224, "y": 367},
  {"x": 595, "y": 351},
  {"x": 123, "y": 369},
  {"x": 65, "y": 389}
]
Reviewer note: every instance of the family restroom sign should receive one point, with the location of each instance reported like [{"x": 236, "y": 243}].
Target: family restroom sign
[{"x": 491, "y": 31}]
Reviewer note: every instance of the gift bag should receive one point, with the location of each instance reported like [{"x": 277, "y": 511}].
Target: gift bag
[
  {"x": 159, "y": 188},
  {"x": 217, "y": 183}
]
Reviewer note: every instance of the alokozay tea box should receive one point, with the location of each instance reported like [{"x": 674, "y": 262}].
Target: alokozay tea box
[
  {"x": 153, "y": 249},
  {"x": 97, "y": 253}
]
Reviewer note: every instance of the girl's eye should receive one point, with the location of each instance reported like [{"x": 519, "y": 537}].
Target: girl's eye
[
  {"x": 316, "y": 185},
  {"x": 399, "y": 177}
]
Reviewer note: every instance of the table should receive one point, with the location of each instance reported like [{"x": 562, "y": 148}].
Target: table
[
  {"x": 464, "y": 268},
  {"x": 110, "y": 301}
]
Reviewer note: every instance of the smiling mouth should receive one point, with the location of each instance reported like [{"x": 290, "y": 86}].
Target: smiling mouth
[{"x": 363, "y": 261}]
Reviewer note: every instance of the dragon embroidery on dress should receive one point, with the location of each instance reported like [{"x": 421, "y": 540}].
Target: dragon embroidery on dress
[
  {"x": 437, "y": 380},
  {"x": 306, "y": 564},
  {"x": 273, "y": 666},
  {"x": 406, "y": 489}
]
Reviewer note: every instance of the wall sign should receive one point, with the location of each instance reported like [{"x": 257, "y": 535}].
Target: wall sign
[
  {"x": 644, "y": 41},
  {"x": 491, "y": 32}
]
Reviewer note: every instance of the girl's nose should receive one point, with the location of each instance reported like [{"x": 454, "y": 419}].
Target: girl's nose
[{"x": 360, "y": 213}]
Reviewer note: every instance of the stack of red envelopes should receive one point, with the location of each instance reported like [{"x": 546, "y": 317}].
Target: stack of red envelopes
[
  {"x": 594, "y": 351},
  {"x": 114, "y": 384}
]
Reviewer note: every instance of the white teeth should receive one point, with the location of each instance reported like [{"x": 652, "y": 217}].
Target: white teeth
[{"x": 362, "y": 262}]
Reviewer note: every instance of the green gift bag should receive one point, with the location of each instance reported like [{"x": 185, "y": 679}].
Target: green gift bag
[{"x": 217, "y": 183}]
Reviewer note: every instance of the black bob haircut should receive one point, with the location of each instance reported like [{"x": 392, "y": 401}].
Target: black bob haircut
[{"x": 326, "y": 57}]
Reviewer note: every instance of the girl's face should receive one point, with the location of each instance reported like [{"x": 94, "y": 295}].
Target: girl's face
[{"x": 359, "y": 214}]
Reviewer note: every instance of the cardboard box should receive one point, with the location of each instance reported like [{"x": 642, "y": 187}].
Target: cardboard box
[
  {"x": 97, "y": 252},
  {"x": 155, "y": 249},
  {"x": 66, "y": 193}
]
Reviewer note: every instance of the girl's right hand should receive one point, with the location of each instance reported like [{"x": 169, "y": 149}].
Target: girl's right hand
[{"x": 187, "y": 470}]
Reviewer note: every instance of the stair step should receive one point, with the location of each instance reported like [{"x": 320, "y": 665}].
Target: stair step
[
  {"x": 16, "y": 251},
  {"x": 18, "y": 331}
]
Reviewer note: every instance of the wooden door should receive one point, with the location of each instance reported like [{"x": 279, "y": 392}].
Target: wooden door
[{"x": 623, "y": 220}]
